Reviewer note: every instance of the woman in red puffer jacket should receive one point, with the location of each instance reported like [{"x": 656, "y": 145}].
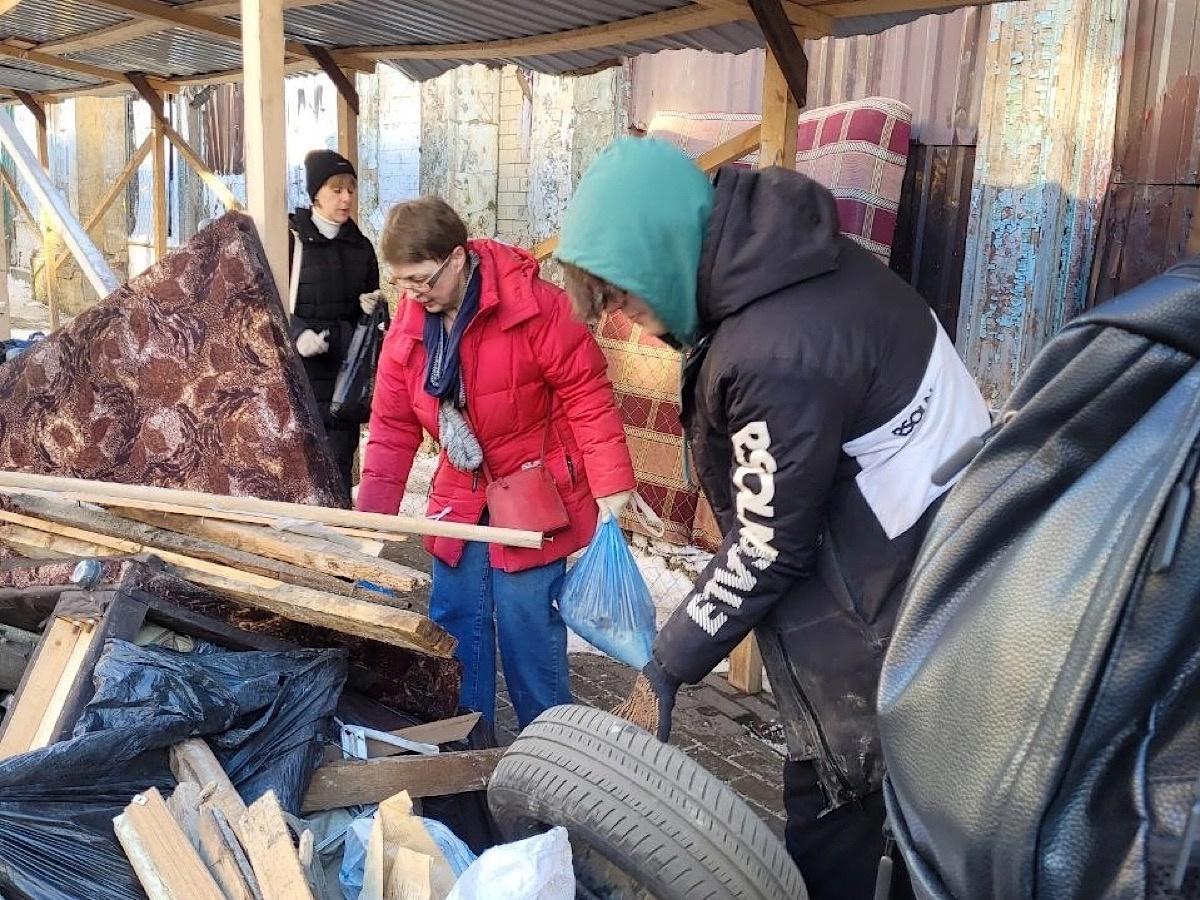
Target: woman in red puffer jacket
[{"x": 486, "y": 357}]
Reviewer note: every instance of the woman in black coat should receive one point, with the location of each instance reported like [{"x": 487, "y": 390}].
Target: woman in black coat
[{"x": 338, "y": 283}]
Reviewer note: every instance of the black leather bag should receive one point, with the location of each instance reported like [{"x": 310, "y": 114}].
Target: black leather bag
[
  {"x": 356, "y": 378},
  {"x": 1040, "y": 701}
]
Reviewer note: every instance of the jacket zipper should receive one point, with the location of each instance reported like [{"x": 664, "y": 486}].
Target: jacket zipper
[
  {"x": 812, "y": 719},
  {"x": 1175, "y": 514}
]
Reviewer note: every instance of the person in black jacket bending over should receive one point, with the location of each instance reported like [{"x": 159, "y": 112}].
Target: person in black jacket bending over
[
  {"x": 339, "y": 282},
  {"x": 819, "y": 396}
]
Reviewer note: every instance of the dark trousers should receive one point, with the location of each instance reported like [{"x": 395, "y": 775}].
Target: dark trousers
[
  {"x": 838, "y": 853},
  {"x": 343, "y": 442}
]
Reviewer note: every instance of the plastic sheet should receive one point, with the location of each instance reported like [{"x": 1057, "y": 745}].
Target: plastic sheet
[
  {"x": 605, "y": 599},
  {"x": 269, "y": 714},
  {"x": 537, "y": 868},
  {"x": 260, "y": 711}
]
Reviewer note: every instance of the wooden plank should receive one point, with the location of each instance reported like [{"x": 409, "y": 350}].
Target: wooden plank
[
  {"x": 111, "y": 525},
  {"x": 746, "y": 667},
  {"x": 165, "y": 862},
  {"x": 35, "y": 709},
  {"x": 111, "y": 493},
  {"x": 193, "y": 760},
  {"x": 543, "y": 249},
  {"x": 46, "y": 222},
  {"x": 5, "y": 309},
  {"x": 732, "y": 150},
  {"x": 352, "y": 782},
  {"x": 399, "y": 627},
  {"x": 296, "y": 549},
  {"x": 265, "y": 837}
]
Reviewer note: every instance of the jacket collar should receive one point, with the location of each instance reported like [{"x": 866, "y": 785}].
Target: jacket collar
[{"x": 507, "y": 291}]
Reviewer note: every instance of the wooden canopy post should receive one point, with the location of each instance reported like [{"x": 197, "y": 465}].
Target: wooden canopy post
[
  {"x": 158, "y": 153},
  {"x": 266, "y": 129},
  {"x": 780, "y": 111}
]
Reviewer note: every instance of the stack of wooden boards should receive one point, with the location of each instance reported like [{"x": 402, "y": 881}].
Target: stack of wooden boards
[{"x": 205, "y": 843}]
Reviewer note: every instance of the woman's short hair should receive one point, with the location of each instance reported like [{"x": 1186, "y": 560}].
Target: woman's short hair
[{"x": 420, "y": 230}]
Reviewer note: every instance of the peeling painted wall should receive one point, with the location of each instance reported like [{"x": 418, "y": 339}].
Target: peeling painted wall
[
  {"x": 460, "y": 143},
  {"x": 1052, "y": 71},
  {"x": 389, "y": 145},
  {"x": 573, "y": 119}
]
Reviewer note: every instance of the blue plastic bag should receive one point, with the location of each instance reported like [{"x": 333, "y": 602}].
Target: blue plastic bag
[{"x": 605, "y": 599}]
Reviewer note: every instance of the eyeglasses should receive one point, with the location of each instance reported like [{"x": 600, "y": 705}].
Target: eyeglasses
[{"x": 420, "y": 287}]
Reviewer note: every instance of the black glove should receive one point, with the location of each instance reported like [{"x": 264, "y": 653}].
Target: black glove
[{"x": 651, "y": 701}]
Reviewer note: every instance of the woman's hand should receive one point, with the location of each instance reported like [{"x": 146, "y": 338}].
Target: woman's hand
[{"x": 613, "y": 506}]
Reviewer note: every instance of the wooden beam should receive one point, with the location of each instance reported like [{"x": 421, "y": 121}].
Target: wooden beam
[
  {"x": 296, "y": 549},
  {"x": 346, "y": 88},
  {"x": 50, "y": 276},
  {"x": 158, "y": 182},
  {"x": 205, "y": 23},
  {"x": 348, "y": 615},
  {"x": 785, "y": 48},
  {"x": 108, "y": 493},
  {"x": 730, "y": 151},
  {"x": 638, "y": 28},
  {"x": 35, "y": 109},
  {"x": 128, "y": 31},
  {"x": 193, "y": 760},
  {"x": 163, "y": 128},
  {"x": 353, "y": 782},
  {"x": 265, "y": 129},
  {"x": 91, "y": 261},
  {"x": 7, "y": 48},
  {"x": 264, "y": 833},
  {"x": 110, "y": 525},
  {"x": 807, "y": 22},
  {"x": 162, "y": 857}
]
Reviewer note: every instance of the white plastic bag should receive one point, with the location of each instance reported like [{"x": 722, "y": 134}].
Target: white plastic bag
[{"x": 537, "y": 868}]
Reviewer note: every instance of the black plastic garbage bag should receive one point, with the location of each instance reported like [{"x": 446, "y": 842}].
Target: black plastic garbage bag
[
  {"x": 355, "y": 383},
  {"x": 267, "y": 715}
]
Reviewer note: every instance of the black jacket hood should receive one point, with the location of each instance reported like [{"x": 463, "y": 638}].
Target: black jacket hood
[{"x": 770, "y": 229}]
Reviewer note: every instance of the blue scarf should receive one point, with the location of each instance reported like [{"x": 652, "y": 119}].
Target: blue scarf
[{"x": 443, "y": 367}]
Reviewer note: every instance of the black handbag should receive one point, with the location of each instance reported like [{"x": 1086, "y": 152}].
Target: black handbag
[{"x": 356, "y": 378}]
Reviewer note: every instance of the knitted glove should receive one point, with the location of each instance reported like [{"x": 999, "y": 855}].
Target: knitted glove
[
  {"x": 369, "y": 301},
  {"x": 312, "y": 344},
  {"x": 652, "y": 701}
]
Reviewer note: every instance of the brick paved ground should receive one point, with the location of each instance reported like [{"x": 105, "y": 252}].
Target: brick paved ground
[{"x": 734, "y": 736}]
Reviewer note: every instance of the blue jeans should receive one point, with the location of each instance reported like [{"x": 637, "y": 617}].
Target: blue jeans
[{"x": 477, "y": 604}]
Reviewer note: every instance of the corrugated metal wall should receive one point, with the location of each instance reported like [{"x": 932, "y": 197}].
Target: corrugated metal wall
[
  {"x": 932, "y": 64},
  {"x": 1150, "y": 211}
]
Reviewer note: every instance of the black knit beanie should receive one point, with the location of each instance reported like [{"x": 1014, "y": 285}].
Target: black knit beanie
[{"x": 321, "y": 165}]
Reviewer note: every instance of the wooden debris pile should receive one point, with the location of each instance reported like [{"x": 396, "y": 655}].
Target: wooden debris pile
[{"x": 89, "y": 562}]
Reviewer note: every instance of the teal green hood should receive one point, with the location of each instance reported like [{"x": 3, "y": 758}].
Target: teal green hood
[{"x": 638, "y": 220}]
